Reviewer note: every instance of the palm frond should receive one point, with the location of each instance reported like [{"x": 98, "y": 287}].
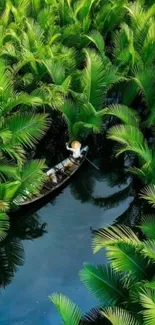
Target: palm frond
[
  {"x": 27, "y": 129},
  {"x": 7, "y": 193},
  {"x": 145, "y": 82},
  {"x": 125, "y": 257},
  {"x": 69, "y": 312},
  {"x": 105, "y": 284},
  {"x": 148, "y": 194},
  {"x": 21, "y": 99},
  {"x": 131, "y": 139},
  {"x": 113, "y": 235},
  {"x": 147, "y": 299},
  {"x": 31, "y": 179},
  {"x": 149, "y": 249},
  {"x": 118, "y": 316},
  {"x": 97, "y": 78},
  {"x": 125, "y": 114},
  {"x": 93, "y": 78},
  {"x": 148, "y": 226},
  {"x": 96, "y": 38}
]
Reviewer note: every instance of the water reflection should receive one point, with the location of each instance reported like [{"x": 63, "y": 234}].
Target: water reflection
[{"x": 11, "y": 249}]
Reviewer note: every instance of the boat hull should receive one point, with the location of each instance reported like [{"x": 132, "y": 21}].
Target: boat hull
[{"x": 39, "y": 202}]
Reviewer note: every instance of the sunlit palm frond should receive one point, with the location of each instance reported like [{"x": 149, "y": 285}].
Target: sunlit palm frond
[
  {"x": 31, "y": 179},
  {"x": 27, "y": 129},
  {"x": 105, "y": 284},
  {"x": 124, "y": 257},
  {"x": 148, "y": 194},
  {"x": 146, "y": 84},
  {"x": 69, "y": 312},
  {"x": 110, "y": 15},
  {"x": 149, "y": 249},
  {"x": 125, "y": 114},
  {"x": 96, "y": 38},
  {"x": 131, "y": 139},
  {"x": 93, "y": 78},
  {"x": 113, "y": 235},
  {"x": 97, "y": 78},
  {"x": 118, "y": 316},
  {"x": 90, "y": 117},
  {"x": 147, "y": 300},
  {"x": 7, "y": 193},
  {"x": 21, "y": 99}
]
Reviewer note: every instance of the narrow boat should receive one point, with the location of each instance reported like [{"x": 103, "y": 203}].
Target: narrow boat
[{"x": 56, "y": 178}]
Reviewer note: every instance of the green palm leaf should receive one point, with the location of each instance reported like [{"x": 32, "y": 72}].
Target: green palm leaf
[
  {"x": 27, "y": 129},
  {"x": 97, "y": 78},
  {"x": 148, "y": 194},
  {"x": 31, "y": 179},
  {"x": 105, "y": 284},
  {"x": 69, "y": 312},
  {"x": 96, "y": 38},
  {"x": 93, "y": 78},
  {"x": 147, "y": 299},
  {"x": 124, "y": 257},
  {"x": 145, "y": 81},
  {"x": 118, "y": 316},
  {"x": 21, "y": 99},
  {"x": 8, "y": 171},
  {"x": 148, "y": 226},
  {"x": 149, "y": 249},
  {"x": 125, "y": 114},
  {"x": 113, "y": 235},
  {"x": 131, "y": 139},
  {"x": 7, "y": 193}
]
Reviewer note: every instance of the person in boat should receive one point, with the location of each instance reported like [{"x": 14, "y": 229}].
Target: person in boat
[{"x": 75, "y": 149}]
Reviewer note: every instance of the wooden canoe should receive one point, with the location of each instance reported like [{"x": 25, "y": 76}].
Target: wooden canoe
[{"x": 57, "y": 178}]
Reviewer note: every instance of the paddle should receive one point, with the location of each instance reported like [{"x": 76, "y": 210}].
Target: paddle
[{"x": 92, "y": 163}]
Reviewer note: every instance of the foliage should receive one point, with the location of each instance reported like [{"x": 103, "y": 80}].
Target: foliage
[{"x": 125, "y": 288}]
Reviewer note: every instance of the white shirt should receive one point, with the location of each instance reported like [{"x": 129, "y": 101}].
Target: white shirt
[{"x": 76, "y": 152}]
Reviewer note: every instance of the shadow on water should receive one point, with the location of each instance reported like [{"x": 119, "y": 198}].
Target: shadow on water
[
  {"x": 57, "y": 240},
  {"x": 11, "y": 249}
]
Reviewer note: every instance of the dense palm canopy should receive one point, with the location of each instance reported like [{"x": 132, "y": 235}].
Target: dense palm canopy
[{"x": 94, "y": 62}]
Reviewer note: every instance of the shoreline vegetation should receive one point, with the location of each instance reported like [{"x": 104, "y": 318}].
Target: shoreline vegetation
[{"x": 83, "y": 70}]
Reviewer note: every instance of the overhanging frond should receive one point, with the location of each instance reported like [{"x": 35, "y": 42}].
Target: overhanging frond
[{"x": 69, "y": 312}]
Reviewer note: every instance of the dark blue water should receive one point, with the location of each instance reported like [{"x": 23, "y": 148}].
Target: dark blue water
[{"x": 52, "y": 261}]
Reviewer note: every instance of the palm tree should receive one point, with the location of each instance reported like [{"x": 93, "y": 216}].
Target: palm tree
[
  {"x": 84, "y": 113},
  {"x": 18, "y": 131}
]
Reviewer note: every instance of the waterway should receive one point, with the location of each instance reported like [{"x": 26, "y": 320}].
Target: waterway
[{"x": 53, "y": 244}]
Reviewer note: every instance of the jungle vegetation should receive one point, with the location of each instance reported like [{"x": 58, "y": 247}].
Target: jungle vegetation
[{"x": 91, "y": 64}]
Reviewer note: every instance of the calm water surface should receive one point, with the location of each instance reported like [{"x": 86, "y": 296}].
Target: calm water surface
[{"x": 53, "y": 260}]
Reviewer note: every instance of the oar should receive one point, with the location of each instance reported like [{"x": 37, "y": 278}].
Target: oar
[{"x": 92, "y": 163}]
